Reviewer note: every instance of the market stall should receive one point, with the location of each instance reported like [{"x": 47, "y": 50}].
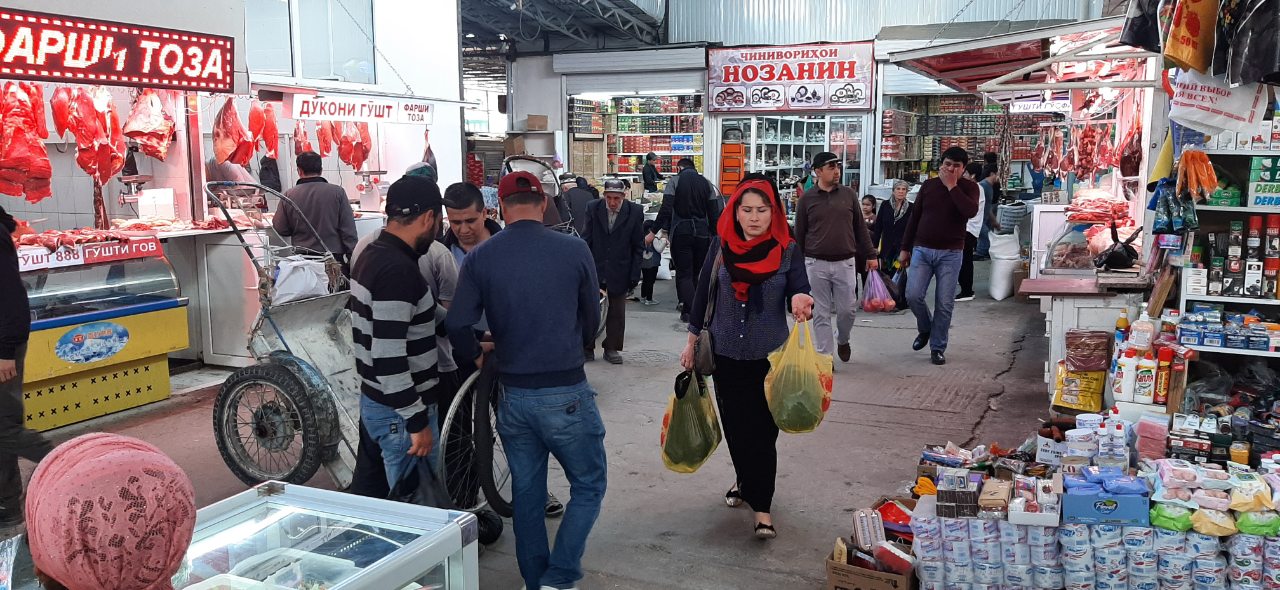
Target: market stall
[
  {"x": 774, "y": 108},
  {"x": 89, "y": 139}
]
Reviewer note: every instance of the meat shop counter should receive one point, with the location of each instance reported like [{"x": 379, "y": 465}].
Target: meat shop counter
[
  {"x": 104, "y": 319},
  {"x": 1089, "y": 303}
]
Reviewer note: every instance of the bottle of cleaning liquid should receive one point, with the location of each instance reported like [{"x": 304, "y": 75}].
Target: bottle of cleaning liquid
[
  {"x": 1143, "y": 332},
  {"x": 1120, "y": 442},
  {"x": 1144, "y": 387},
  {"x": 1164, "y": 376},
  {"x": 1126, "y": 375}
]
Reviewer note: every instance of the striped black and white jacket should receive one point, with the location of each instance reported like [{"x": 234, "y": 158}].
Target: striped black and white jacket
[{"x": 393, "y": 329}]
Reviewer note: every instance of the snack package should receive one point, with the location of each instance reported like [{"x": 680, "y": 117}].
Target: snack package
[
  {"x": 893, "y": 558},
  {"x": 1214, "y": 478},
  {"x": 1249, "y": 493},
  {"x": 1213, "y": 522},
  {"x": 1126, "y": 485},
  {"x": 1176, "y": 473},
  {"x": 1212, "y": 499},
  {"x": 1265, "y": 524},
  {"x": 1168, "y": 516},
  {"x": 1181, "y": 497}
]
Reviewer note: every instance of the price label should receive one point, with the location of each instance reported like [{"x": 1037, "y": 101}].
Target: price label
[
  {"x": 112, "y": 251},
  {"x": 33, "y": 258},
  {"x": 66, "y": 256}
]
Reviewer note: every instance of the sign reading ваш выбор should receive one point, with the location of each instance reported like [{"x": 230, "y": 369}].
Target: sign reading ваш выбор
[{"x": 824, "y": 77}]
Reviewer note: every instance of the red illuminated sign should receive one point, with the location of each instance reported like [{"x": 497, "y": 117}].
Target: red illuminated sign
[{"x": 48, "y": 47}]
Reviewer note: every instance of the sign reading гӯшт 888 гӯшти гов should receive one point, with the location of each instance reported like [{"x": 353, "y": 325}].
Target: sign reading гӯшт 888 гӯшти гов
[
  {"x": 48, "y": 47},
  {"x": 822, "y": 77}
]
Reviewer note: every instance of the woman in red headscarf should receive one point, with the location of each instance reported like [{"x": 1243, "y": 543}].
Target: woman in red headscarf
[{"x": 758, "y": 268}]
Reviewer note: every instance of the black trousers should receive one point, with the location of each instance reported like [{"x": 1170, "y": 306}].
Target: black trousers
[
  {"x": 648, "y": 276},
  {"x": 16, "y": 440},
  {"x": 966, "y": 265},
  {"x": 748, "y": 427},
  {"x": 369, "y": 477},
  {"x": 615, "y": 323},
  {"x": 689, "y": 253}
]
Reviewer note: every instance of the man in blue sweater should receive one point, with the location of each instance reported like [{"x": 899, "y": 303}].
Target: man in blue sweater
[{"x": 539, "y": 291}]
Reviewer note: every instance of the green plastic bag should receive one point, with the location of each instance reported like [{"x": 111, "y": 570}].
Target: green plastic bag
[
  {"x": 1265, "y": 523},
  {"x": 1168, "y": 516},
  {"x": 799, "y": 383},
  {"x": 690, "y": 429}
]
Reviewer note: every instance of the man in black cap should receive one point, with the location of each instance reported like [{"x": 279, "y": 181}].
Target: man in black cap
[
  {"x": 615, "y": 234},
  {"x": 689, "y": 216},
  {"x": 650, "y": 174},
  {"x": 832, "y": 232},
  {"x": 393, "y": 331}
]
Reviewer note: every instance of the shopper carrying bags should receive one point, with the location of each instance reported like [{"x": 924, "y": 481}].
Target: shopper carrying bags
[
  {"x": 891, "y": 223},
  {"x": 759, "y": 268}
]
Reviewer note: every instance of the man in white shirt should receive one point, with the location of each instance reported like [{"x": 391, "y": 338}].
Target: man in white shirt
[{"x": 984, "y": 176}]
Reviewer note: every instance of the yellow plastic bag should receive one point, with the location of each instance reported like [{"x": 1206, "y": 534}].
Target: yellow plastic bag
[
  {"x": 799, "y": 383},
  {"x": 1190, "y": 42},
  {"x": 690, "y": 430}
]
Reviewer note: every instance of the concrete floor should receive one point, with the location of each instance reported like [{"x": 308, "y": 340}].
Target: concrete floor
[{"x": 660, "y": 529}]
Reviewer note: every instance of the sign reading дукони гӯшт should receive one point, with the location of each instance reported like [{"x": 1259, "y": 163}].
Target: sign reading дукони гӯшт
[{"x": 820, "y": 77}]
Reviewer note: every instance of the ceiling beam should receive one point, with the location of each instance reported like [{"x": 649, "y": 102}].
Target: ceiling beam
[
  {"x": 540, "y": 14},
  {"x": 610, "y": 12}
]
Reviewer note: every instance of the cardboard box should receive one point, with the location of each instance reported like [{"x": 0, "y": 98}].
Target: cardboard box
[
  {"x": 535, "y": 123},
  {"x": 842, "y": 576},
  {"x": 1264, "y": 195},
  {"x": 1253, "y": 278},
  {"x": 514, "y": 145},
  {"x": 1264, "y": 163},
  {"x": 1104, "y": 508},
  {"x": 957, "y": 510},
  {"x": 1197, "y": 281},
  {"x": 1272, "y": 175},
  {"x": 1048, "y": 451},
  {"x": 1034, "y": 518},
  {"x": 995, "y": 494}
]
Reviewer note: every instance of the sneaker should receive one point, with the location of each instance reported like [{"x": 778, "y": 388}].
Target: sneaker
[
  {"x": 964, "y": 297},
  {"x": 555, "y": 508},
  {"x": 614, "y": 357},
  {"x": 650, "y": 302}
]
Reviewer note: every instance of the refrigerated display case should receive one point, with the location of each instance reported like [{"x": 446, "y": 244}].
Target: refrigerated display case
[{"x": 289, "y": 537}]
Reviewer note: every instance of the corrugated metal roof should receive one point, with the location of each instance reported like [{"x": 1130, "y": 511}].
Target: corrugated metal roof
[
  {"x": 749, "y": 22},
  {"x": 684, "y": 58}
]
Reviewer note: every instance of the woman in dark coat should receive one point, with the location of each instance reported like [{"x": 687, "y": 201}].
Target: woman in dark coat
[{"x": 890, "y": 224}]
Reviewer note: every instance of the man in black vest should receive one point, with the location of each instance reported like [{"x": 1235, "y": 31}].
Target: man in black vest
[{"x": 689, "y": 218}]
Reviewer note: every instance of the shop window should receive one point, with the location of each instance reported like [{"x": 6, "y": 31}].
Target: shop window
[
  {"x": 337, "y": 40},
  {"x": 267, "y": 40}
]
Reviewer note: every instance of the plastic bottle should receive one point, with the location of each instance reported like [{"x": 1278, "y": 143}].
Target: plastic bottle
[
  {"x": 1126, "y": 374},
  {"x": 1122, "y": 327},
  {"x": 1144, "y": 386},
  {"x": 1142, "y": 332},
  {"x": 1164, "y": 376}
]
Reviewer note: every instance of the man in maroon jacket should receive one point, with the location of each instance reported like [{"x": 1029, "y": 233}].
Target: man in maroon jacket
[{"x": 933, "y": 246}]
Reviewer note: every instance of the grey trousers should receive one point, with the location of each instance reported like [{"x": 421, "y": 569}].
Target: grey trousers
[
  {"x": 16, "y": 440},
  {"x": 833, "y": 284}
]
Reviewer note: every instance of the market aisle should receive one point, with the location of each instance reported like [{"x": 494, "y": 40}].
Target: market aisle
[{"x": 665, "y": 530}]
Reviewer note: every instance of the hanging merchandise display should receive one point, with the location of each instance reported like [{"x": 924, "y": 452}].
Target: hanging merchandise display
[
  {"x": 1189, "y": 44},
  {"x": 1206, "y": 104}
]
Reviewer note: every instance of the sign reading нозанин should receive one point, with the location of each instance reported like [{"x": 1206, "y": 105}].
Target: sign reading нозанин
[
  {"x": 53, "y": 48},
  {"x": 822, "y": 77}
]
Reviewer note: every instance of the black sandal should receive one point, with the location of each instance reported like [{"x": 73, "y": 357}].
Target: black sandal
[
  {"x": 765, "y": 531},
  {"x": 733, "y": 497}
]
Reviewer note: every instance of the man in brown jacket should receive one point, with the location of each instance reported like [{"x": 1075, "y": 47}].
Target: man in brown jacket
[{"x": 322, "y": 204}]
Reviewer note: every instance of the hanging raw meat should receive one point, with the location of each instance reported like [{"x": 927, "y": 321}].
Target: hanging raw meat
[
  {"x": 24, "y": 164},
  {"x": 1103, "y": 157},
  {"x": 346, "y": 137},
  {"x": 230, "y": 141},
  {"x": 35, "y": 92},
  {"x": 363, "y": 146},
  {"x": 1131, "y": 154},
  {"x": 428, "y": 155},
  {"x": 257, "y": 121},
  {"x": 301, "y": 143},
  {"x": 1068, "y": 162},
  {"x": 270, "y": 134},
  {"x": 61, "y": 103},
  {"x": 1052, "y": 160},
  {"x": 100, "y": 147},
  {"x": 150, "y": 125},
  {"x": 1086, "y": 151},
  {"x": 325, "y": 137},
  {"x": 1038, "y": 153}
]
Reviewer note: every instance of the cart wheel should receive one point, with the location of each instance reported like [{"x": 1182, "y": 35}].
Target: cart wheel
[
  {"x": 266, "y": 426},
  {"x": 457, "y": 447},
  {"x": 495, "y": 473}
]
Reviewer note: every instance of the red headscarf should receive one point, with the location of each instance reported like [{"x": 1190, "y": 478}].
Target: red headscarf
[{"x": 751, "y": 262}]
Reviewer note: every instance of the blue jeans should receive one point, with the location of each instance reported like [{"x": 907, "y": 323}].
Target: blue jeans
[
  {"x": 926, "y": 264},
  {"x": 983, "y": 249},
  {"x": 387, "y": 428},
  {"x": 564, "y": 422}
]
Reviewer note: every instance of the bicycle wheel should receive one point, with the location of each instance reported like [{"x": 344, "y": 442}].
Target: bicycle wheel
[
  {"x": 495, "y": 474},
  {"x": 457, "y": 449},
  {"x": 604, "y": 313}
]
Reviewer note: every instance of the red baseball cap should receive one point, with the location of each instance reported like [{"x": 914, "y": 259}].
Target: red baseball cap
[{"x": 520, "y": 182}]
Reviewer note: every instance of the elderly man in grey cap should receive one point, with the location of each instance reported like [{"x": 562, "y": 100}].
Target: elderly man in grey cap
[{"x": 831, "y": 231}]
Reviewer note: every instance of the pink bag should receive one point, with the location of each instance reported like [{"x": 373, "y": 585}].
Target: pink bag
[{"x": 877, "y": 297}]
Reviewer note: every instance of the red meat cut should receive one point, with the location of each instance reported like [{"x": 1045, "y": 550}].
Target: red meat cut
[
  {"x": 230, "y": 141},
  {"x": 325, "y": 137},
  {"x": 256, "y": 120},
  {"x": 36, "y": 93},
  {"x": 150, "y": 125},
  {"x": 270, "y": 133},
  {"x": 347, "y": 138},
  {"x": 24, "y": 163},
  {"x": 61, "y": 104},
  {"x": 363, "y": 146},
  {"x": 301, "y": 143}
]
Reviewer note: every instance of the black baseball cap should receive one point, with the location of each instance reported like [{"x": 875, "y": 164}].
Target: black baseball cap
[
  {"x": 412, "y": 195},
  {"x": 824, "y": 158}
]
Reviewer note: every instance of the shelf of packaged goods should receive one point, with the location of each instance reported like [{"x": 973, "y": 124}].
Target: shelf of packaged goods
[
  {"x": 588, "y": 136},
  {"x": 656, "y": 114},
  {"x": 629, "y": 134},
  {"x": 659, "y": 153},
  {"x": 1243, "y": 351},
  {"x": 1224, "y": 152},
  {"x": 1241, "y": 300},
  {"x": 1232, "y": 209}
]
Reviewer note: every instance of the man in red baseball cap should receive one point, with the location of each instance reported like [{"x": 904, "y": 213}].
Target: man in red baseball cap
[{"x": 539, "y": 291}]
